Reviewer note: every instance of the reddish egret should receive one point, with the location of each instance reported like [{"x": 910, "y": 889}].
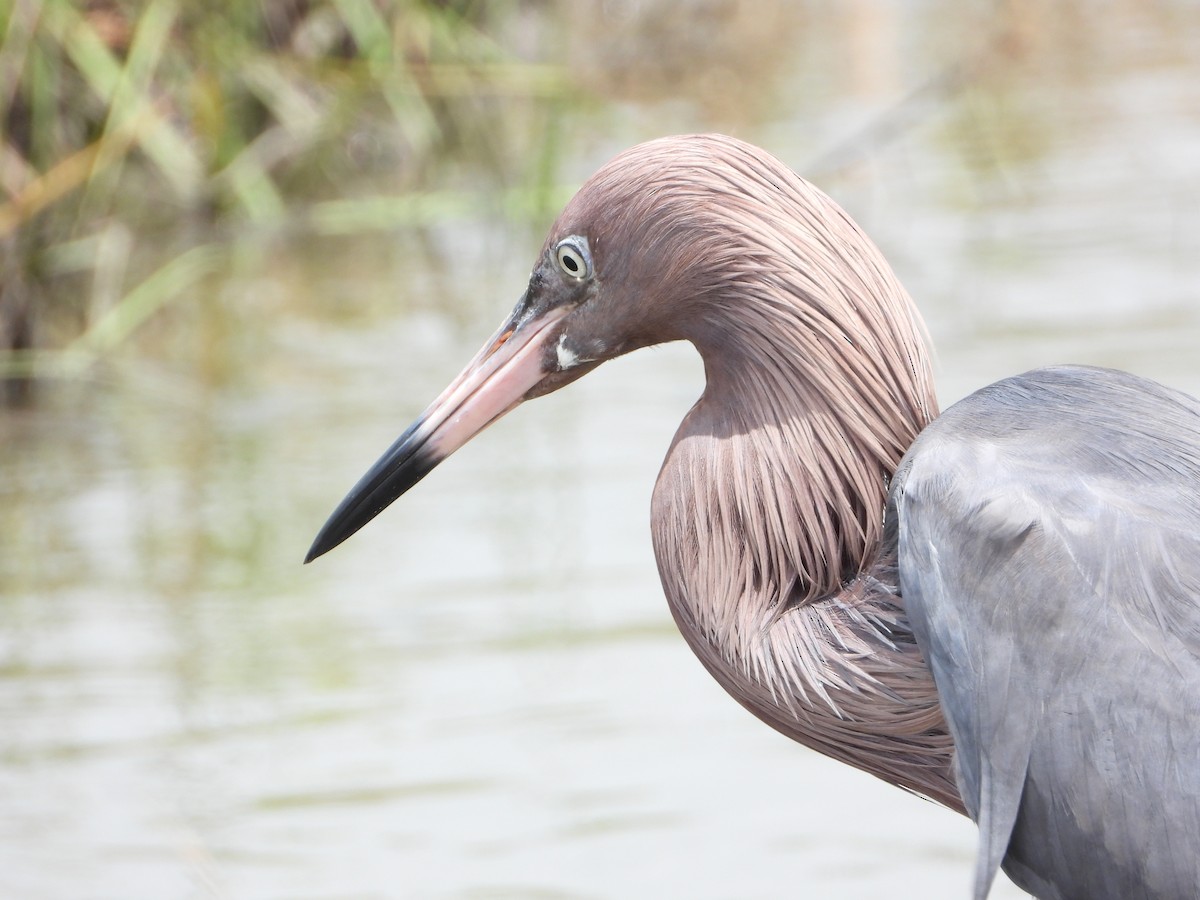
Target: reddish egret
[{"x": 995, "y": 608}]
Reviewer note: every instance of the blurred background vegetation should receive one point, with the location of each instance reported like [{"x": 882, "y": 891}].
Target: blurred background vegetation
[{"x": 146, "y": 146}]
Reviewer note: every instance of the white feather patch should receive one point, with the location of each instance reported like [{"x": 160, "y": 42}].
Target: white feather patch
[{"x": 567, "y": 359}]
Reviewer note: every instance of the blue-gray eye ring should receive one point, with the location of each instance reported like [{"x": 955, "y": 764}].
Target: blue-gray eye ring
[{"x": 573, "y": 258}]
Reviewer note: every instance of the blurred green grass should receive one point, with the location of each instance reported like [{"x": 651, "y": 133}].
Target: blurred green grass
[{"x": 144, "y": 146}]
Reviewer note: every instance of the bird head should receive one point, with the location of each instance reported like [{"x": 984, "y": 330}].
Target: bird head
[
  {"x": 701, "y": 238},
  {"x": 610, "y": 278}
]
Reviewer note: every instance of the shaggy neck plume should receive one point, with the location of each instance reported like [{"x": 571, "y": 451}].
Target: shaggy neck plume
[{"x": 769, "y": 510}]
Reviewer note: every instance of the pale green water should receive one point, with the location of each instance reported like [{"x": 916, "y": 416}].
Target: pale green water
[{"x": 482, "y": 694}]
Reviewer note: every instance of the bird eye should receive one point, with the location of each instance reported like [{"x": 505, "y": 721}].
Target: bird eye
[{"x": 573, "y": 257}]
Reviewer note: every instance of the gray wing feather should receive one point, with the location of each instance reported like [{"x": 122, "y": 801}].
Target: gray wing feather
[{"x": 1049, "y": 549}]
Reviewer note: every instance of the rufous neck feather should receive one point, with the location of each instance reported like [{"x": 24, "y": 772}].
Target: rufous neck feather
[{"x": 769, "y": 511}]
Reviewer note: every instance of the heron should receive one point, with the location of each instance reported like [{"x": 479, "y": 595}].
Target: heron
[{"x": 994, "y": 607}]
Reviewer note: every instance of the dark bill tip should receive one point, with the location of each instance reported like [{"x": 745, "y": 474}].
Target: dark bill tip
[
  {"x": 510, "y": 365},
  {"x": 404, "y": 464}
]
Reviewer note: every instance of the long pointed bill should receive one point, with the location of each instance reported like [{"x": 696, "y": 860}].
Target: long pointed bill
[{"x": 495, "y": 381}]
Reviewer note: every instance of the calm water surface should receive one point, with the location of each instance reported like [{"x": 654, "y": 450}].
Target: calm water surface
[{"x": 482, "y": 695}]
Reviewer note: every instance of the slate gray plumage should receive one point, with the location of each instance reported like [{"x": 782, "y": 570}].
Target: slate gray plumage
[{"x": 1049, "y": 546}]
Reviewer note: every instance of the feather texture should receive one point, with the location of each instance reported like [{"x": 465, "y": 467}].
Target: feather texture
[
  {"x": 1059, "y": 608},
  {"x": 770, "y": 502}
]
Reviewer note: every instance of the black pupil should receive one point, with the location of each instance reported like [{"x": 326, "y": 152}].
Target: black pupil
[{"x": 571, "y": 263}]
